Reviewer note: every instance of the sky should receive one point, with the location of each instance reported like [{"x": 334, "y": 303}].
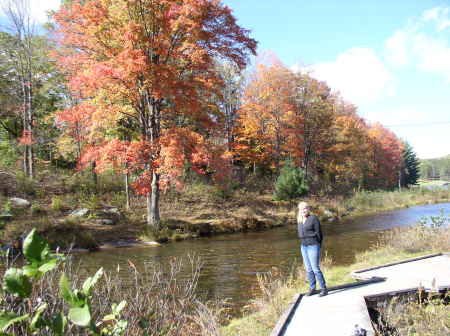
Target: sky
[{"x": 389, "y": 58}]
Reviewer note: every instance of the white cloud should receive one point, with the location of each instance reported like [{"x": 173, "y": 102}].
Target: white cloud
[
  {"x": 400, "y": 116},
  {"x": 358, "y": 74},
  {"x": 420, "y": 47},
  {"x": 396, "y": 49},
  {"x": 438, "y": 15},
  {"x": 38, "y": 8}
]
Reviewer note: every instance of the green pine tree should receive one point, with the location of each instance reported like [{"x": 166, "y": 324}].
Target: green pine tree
[{"x": 410, "y": 171}]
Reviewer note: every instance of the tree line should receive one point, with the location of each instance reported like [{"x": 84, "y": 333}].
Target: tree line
[
  {"x": 438, "y": 168},
  {"x": 150, "y": 89}
]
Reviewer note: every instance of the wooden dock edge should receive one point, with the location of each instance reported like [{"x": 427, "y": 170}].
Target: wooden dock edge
[
  {"x": 356, "y": 275},
  {"x": 284, "y": 320}
]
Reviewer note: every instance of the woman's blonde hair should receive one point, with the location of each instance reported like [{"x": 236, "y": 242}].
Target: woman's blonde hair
[{"x": 301, "y": 205}]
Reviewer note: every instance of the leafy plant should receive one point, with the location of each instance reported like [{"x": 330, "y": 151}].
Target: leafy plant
[{"x": 40, "y": 260}]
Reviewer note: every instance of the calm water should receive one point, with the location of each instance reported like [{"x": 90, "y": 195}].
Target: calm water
[{"x": 231, "y": 262}]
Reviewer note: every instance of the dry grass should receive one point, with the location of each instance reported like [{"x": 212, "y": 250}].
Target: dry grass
[
  {"x": 415, "y": 316},
  {"x": 159, "y": 300}
]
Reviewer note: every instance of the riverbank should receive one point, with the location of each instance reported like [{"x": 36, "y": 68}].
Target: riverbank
[
  {"x": 396, "y": 245},
  {"x": 199, "y": 210}
]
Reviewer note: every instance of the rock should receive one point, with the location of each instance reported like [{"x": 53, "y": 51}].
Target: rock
[
  {"x": 19, "y": 202},
  {"x": 327, "y": 214},
  {"x": 104, "y": 221},
  {"x": 112, "y": 210},
  {"x": 110, "y": 213},
  {"x": 79, "y": 212},
  {"x": 6, "y": 216}
]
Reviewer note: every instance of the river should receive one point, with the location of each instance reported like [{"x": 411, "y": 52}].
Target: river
[{"x": 231, "y": 262}]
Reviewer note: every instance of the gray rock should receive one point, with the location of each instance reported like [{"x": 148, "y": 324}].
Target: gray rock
[
  {"x": 6, "y": 216},
  {"x": 327, "y": 214},
  {"x": 19, "y": 202},
  {"x": 110, "y": 213},
  {"x": 114, "y": 211},
  {"x": 105, "y": 221},
  {"x": 83, "y": 212}
]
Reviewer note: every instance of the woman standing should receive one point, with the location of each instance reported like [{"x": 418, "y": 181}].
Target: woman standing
[{"x": 311, "y": 236}]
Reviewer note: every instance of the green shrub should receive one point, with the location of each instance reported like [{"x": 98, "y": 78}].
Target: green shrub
[
  {"x": 291, "y": 183},
  {"x": 36, "y": 209},
  {"x": 18, "y": 283},
  {"x": 8, "y": 154},
  {"x": 91, "y": 201},
  {"x": 25, "y": 184},
  {"x": 58, "y": 204}
]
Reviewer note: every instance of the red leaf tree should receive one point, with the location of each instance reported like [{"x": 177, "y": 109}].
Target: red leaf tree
[{"x": 152, "y": 61}]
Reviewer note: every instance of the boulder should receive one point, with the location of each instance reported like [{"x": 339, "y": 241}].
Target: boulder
[
  {"x": 110, "y": 213},
  {"x": 19, "y": 202},
  {"x": 83, "y": 212},
  {"x": 6, "y": 216},
  {"x": 104, "y": 221}
]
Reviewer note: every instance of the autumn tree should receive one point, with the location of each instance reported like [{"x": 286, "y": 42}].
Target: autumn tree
[
  {"x": 46, "y": 97},
  {"x": 154, "y": 62},
  {"x": 314, "y": 117},
  {"x": 230, "y": 98},
  {"x": 385, "y": 155},
  {"x": 22, "y": 28},
  {"x": 346, "y": 164},
  {"x": 265, "y": 115}
]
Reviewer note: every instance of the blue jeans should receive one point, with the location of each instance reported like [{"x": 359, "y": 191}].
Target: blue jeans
[{"x": 311, "y": 260}]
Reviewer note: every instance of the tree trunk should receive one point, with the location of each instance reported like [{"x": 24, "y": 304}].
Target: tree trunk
[
  {"x": 127, "y": 190},
  {"x": 153, "y": 218},
  {"x": 94, "y": 176}
]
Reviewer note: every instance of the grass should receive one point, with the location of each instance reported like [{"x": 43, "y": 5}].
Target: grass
[
  {"x": 160, "y": 300},
  {"x": 374, "y": 201},
  {"x": 419, "y": 315},
  {"x": 396, "y": 245}
]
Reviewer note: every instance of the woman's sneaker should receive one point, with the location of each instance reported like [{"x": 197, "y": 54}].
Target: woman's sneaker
[
  {"x": 311, "y": 292},
  {"x": 323, "y": 292}
]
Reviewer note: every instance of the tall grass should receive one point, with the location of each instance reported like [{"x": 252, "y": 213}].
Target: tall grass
[
  {"x": 415, "y": 316},
  {"x": 159, "y": 300},
  {"x": 370, "y": 201}
]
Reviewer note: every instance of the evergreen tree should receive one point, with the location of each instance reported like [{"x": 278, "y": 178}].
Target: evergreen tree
[
  {"x": 291, "y": 183},
  {"x": 410, "y": 170}
]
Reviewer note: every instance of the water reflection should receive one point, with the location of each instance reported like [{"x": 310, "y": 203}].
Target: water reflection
[{"x": 231, "y": 262}]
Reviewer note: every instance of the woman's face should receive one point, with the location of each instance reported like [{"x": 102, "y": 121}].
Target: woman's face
[{"x": 304, "y": 211}]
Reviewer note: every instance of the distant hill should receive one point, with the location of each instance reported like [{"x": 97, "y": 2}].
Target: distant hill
[{"x": 438, "y": 168}]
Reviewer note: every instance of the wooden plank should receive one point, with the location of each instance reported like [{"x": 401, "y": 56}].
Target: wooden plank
[
  {"x": 346, "y": 306},
  {"x": 354, "y": 273}
]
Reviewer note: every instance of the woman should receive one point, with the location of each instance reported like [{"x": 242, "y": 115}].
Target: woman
[{"x": 311, "y": 240}]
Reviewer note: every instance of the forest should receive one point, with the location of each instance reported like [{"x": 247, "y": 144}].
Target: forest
[{"x": 154, "y": 92}]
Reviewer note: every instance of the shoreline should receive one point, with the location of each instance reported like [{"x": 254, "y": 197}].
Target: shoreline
[{"x": 135, "y": 242}]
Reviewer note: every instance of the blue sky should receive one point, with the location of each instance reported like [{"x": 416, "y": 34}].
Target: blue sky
[{"x": 389, "y": 58}]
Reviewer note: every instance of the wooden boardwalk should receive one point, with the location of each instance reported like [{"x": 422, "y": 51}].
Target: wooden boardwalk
[{"x": 345, "y": 306}]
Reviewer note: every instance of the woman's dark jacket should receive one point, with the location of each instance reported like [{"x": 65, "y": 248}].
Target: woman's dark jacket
[{"x": 310, "y": 232}]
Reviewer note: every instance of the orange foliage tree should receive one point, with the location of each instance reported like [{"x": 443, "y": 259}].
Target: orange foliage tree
[
  {"x": 265, "y": 116},
  {"x": 151, "y": 61},
  {"x": 313, "y": 118},
  {"x": 347, "y": 163},
  {"x": 385, "y": 152}
]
